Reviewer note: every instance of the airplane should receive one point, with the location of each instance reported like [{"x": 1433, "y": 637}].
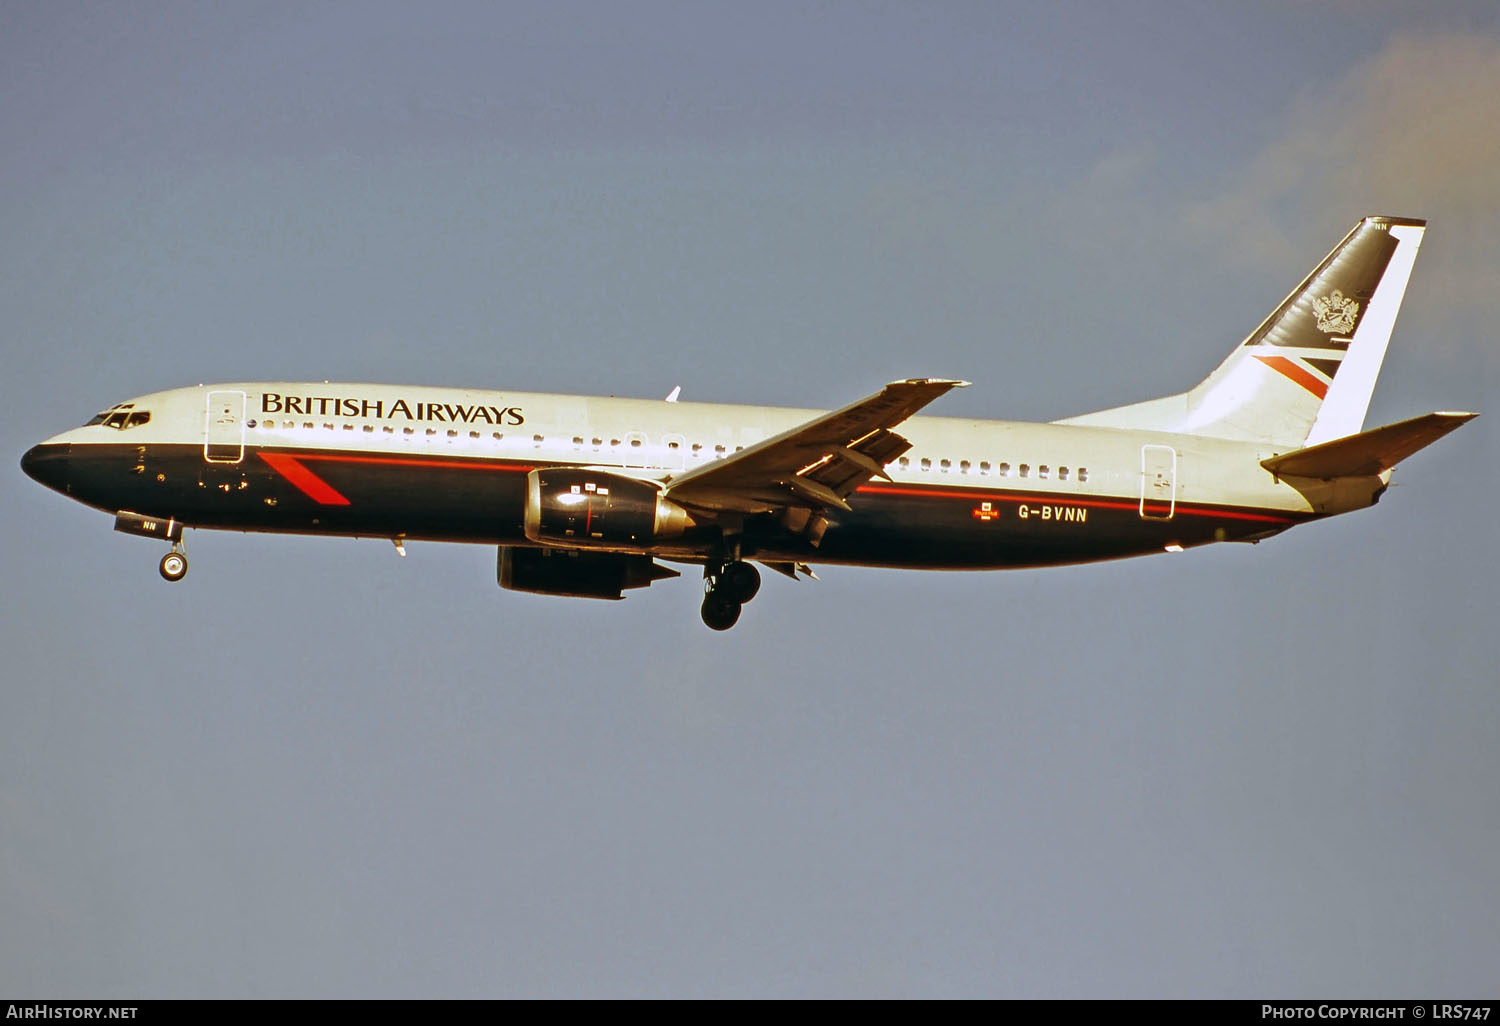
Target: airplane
[{"x": 590, "y": 496}]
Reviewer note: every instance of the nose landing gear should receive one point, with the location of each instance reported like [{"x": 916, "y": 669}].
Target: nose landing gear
[
  {"x": 174, "y": 564},
  {"x": 728, "y": 588}
]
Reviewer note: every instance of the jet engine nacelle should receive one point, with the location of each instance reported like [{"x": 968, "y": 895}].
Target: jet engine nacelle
[
  {"x": 575, "y": 507},
  {"x": 554, "y": 571}
]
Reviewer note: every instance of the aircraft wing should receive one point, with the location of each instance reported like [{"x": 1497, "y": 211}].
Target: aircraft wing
[{"x": 814, "y": 466}]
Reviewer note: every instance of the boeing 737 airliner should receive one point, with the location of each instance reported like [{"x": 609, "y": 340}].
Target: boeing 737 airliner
[{"x": 583, "y": 495}]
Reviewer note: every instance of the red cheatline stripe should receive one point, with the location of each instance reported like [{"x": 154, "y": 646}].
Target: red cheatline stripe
[
  {"x": 290, "y": 466},
  {"x": 310, "y": 484},
  {"x": 1286, "y": 368},
  {"x": 402, "y": 461},
  {"x": 1049, "y": 500}
]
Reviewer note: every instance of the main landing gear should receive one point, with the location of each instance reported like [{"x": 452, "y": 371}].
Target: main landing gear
[
  {"x": 728, "y": 587},
  {"x": 174, "y": 564}
]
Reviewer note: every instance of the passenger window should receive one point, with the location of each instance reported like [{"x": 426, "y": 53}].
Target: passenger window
[
  {"x": 386, "y": 430},
  {"x": 1062, "y": 473},
  {"x": 984, "y": 466},
  {"x": 945, "y": 464},
  {"x": 473, "y": 434},
  {"x": 370, "y": 429},
  {"x": 452, "y": 433},
  {"x": 1025, "y": 469},
  {"x": 1042, "y": 471},
  {"x": 963, "y": 466},
  {"x": 926, "y": 463},
  {"x": 1083, "y": 475},
  {"x": 903, "y": 462}
]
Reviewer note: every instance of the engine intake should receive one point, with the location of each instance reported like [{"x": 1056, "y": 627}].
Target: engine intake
[{"x": 574, "y": 507}]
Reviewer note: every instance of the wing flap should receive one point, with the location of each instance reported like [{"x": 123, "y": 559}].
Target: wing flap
[
  {"x": 1369, "y": 452},
  {"x": 790, "y": 569}
]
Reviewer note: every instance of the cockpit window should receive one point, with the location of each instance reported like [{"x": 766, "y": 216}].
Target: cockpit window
[{"x": 121, "y": 417}]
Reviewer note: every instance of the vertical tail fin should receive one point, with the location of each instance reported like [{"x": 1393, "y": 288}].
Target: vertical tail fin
[{"x": 1307, "y": 373}]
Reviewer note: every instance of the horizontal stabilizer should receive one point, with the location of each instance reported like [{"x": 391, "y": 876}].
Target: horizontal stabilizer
[{"x": 1369, "y": 452}]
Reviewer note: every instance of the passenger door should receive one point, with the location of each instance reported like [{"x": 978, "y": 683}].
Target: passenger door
[
  {"x": 1158, "y": 482},
  {"x": 224, "y": 428}
]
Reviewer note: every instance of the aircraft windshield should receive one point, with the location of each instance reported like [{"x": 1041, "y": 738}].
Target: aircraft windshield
[{"x": 121, "y": 417}]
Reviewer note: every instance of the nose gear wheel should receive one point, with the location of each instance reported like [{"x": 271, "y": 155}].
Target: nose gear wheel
[{"x": 174, "y": 565}]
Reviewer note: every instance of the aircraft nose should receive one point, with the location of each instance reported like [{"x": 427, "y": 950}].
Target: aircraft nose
[{"x": 48, "y": 464}]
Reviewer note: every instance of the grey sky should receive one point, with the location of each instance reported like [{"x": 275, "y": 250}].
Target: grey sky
[{"x": 316, "y": 769}]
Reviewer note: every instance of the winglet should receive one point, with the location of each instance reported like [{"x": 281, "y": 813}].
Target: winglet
[{"x": 672, "y": 396}]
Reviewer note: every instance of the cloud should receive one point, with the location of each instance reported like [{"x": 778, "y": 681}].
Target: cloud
[{"x": 1411, "y": 131}]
